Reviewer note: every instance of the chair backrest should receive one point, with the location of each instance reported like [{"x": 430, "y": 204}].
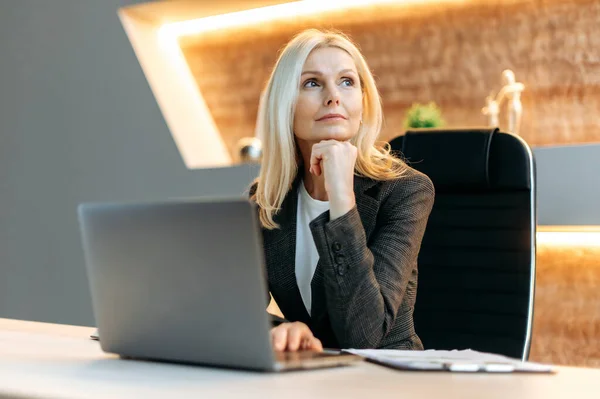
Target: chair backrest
[{"x": 477, "y": 259}]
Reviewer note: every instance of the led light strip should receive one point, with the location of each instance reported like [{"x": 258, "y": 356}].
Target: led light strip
[
  {"x": 276, "y": 12},
  {"x": 569, "y": 238}
]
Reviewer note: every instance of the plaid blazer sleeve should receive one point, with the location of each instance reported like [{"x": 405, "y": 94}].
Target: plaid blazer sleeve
[{"x": 365, "y": 282}]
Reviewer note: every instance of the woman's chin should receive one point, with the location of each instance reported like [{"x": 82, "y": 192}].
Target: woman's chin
[{"x": 334, "y": 135}]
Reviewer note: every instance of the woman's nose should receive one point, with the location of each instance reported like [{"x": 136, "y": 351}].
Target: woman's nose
[{"x": 332, "y": 97}]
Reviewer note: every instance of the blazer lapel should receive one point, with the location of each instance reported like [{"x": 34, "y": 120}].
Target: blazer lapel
[{"x": 280, "y": 249}]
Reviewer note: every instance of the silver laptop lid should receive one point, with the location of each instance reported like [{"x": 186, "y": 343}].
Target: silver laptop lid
[{"x": 179, "y": 281}]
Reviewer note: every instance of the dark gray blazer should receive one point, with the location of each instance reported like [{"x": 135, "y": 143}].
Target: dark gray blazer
[{"x": 365, "y": 283}]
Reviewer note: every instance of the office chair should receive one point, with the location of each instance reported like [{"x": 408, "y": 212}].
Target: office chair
[{"x": 477, "y": 260}]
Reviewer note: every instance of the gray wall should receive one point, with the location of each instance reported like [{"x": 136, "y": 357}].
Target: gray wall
[
  {"x": 568, "y": 185},
  {"x": 78, "y": 123}
]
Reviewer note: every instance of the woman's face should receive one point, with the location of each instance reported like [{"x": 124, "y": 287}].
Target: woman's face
[{"x": 329, "y": 104}]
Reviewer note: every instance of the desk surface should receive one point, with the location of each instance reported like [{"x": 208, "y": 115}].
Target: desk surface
[{"x": 49, "y": 360}]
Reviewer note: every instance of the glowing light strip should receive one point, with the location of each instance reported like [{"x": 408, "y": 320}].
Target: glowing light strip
[
  {"x": 279, "y": 11},
  {"x": 569, "y": 238}
]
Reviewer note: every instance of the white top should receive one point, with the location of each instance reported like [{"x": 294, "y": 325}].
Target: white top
[
  {"x": 306, "y": 250},
  {"x": 39, "y": 360}
]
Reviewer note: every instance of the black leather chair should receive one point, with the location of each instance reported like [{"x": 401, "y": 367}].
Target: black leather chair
[{"x": 477, "y": 259}]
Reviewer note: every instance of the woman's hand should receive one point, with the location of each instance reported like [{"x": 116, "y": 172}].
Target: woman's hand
[
  {"x": 335, "y": 160},
  {"x": 293, "y": 337}
]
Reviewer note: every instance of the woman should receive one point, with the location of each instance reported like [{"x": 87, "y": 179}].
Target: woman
[{"x": 342, "y": 219}]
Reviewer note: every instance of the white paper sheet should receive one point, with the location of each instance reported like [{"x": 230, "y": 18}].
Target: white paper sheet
[{"x": 455, "y": 360}]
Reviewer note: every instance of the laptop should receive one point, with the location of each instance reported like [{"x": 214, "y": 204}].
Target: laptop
[{"x": 184, "y": 281}]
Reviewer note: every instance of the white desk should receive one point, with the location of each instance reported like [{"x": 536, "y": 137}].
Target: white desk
[{"x": 48, "y": 360}]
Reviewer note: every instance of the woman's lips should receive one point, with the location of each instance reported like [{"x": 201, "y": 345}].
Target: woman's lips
[{"x": 329, "y": 117}]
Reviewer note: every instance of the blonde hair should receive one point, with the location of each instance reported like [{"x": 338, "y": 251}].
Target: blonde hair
[{"x": 279, "y": 166}]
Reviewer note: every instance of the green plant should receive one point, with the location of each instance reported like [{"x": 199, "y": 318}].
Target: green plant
[{"x": 423, "y": 116}]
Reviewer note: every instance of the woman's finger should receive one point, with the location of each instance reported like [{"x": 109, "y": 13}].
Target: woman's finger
[
  {"x": 316, "y": 157},
  {"x": 304, "y": 344},
  {"x": 297, "y": 333},
  {"x": 326, "y": 143},
  {"x": 294, "y": 337},
  {"x": 279, "y": 337},
  {"x": 315, "y": 345}
]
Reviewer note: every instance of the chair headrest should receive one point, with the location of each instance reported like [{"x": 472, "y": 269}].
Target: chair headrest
[{"x": 451, "y": 157}]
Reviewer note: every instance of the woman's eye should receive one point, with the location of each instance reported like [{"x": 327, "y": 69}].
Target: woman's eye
[
  {"x": 348, "y": 82},
  {"x": 310, "y": 83}
]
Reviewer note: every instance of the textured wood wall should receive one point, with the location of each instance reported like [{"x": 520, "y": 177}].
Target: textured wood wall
[
  {"x": 452, "y": 54},
  {"x": 566, "y": 328}
]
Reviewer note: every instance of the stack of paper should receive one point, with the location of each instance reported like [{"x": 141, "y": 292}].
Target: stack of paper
[{"x": 455, "y": 360}]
